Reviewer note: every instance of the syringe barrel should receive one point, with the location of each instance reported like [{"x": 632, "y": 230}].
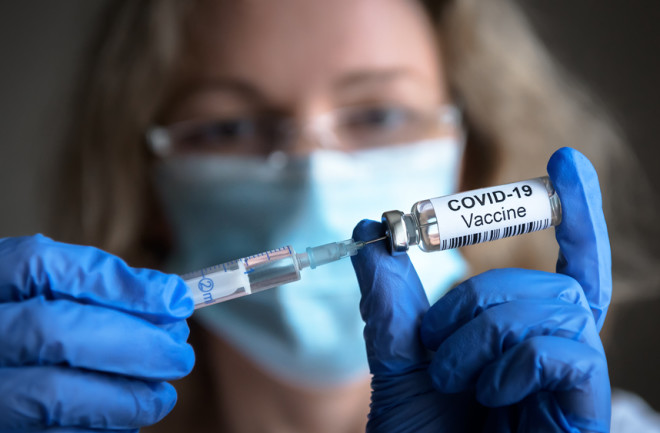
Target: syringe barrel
[
  {"x": 272, "y": 269},
  {"x": 243, "y": 276},
  {"x": 218, "y": 283},
  {"x": 476, "y": 216}
]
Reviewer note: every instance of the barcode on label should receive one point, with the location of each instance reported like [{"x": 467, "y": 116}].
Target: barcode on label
[{"x": 493, "y": 235}]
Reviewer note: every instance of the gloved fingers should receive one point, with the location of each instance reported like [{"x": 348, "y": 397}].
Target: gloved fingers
[
  {"x": 462, "y": 357},
  {"x": 408, "y": 403},
  {"x": 36, "y": 265},
  {"x": 540, "y": 412},
  {"x": 393, "y": 301},
  {"x": 40, "y": 332},
  {"x": 477, "y": 294},
  {"x": 179, "y": 330},
  {"x": 584, "y": 246},
  {"x": 44, "y": 397},
  {"x": 574, "y": 372}
]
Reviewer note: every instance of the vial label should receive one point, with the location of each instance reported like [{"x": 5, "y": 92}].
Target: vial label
[{"x": 489, "y": 214}]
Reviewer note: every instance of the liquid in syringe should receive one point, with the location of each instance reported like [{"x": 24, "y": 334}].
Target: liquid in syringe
[{"x": 263, "y": 271}]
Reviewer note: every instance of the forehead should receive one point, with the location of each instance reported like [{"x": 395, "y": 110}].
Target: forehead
[{"x": 291, "y": 46}]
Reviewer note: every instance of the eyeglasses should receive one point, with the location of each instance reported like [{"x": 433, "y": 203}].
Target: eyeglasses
[{"x": 348, "y": 128}]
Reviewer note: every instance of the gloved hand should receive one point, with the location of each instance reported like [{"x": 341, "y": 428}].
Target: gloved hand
[
  {"x": 507, "y": 350},
  {"x": 86, "y": 341}
]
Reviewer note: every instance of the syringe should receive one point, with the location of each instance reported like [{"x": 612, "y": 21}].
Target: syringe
[
  {"x": 435, "y": 224},
  {"x": 263, "y": 271}
]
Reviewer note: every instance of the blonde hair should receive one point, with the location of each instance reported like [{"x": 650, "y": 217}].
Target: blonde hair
[
  {"x": 519, "y": 107},
  {"x": 107, "y": 192}
]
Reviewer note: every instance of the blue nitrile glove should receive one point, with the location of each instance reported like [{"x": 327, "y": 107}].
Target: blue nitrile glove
[
  {"x": 507, "y": 350},
  {"x": 86, "y": 341}
]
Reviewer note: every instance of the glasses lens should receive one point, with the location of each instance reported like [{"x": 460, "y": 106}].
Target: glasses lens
[
  {"x": 239, "y": 135},
  {"x": 371, "y": 126}
]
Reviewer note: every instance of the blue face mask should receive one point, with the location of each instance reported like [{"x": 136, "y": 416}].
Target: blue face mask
[{"x": 309, "y": 332}]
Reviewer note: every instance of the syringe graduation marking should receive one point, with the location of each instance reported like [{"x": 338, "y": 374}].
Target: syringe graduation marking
[{"x": 218, "y": 282}]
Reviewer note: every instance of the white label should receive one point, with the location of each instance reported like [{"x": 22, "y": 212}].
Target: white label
[
  {"x": 492, "y": 213},
  {"x": 218, "y": 283}
]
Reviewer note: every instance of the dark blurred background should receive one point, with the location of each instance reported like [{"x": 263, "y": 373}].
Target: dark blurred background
[{"x": 612, "y": 46}]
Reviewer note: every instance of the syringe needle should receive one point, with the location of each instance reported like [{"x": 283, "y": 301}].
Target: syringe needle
[{"x": 374, "y": 240}]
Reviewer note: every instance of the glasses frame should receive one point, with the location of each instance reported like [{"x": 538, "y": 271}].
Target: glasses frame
[{"x": 160, "y": 140}]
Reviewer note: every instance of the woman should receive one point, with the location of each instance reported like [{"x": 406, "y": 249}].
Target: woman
[{"x": 289, "y": 89}]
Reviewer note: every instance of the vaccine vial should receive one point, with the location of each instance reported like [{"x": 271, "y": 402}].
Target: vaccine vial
[{"x": 472, "y": 217}]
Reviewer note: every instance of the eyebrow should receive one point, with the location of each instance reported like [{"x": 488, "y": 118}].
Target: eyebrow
[
  {"x": 233, "y": 85},
  {"x": 366, "y": 78},
  {"x": 348, "y": 82}
]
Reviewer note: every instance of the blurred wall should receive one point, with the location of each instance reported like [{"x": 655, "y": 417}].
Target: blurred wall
[
  {"x": 41, "y": 44},
  {"x": 613, "y": 46}
]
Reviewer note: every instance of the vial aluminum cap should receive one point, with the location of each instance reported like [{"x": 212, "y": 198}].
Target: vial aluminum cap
[{"x": 397, "y": 231}]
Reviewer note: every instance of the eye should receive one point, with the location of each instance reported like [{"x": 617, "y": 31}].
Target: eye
[
  {"x": 223, "y": 134},
  {"x": 379, "y": 125},
  {"x": 377, "y": 118}
]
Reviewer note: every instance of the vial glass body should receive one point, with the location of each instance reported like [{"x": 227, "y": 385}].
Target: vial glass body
[{"x": 476, "y": 216}]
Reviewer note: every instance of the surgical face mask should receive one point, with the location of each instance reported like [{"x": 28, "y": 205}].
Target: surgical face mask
[{"x": 309, "y": 332}]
